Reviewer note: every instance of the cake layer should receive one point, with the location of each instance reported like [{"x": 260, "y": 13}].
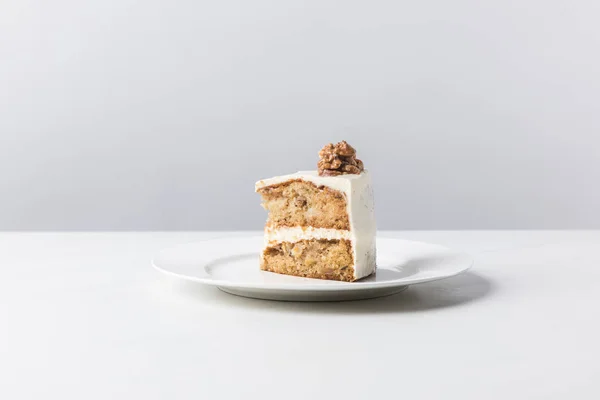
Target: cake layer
[
  {"x": 314, "y": 258},
  {"x": 301, "y": 203}
]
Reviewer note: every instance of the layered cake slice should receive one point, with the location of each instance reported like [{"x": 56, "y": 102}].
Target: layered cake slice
[{"x": 321, "y": 224}]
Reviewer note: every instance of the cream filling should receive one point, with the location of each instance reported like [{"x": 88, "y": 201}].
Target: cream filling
[{"x": 298, "y": 233}]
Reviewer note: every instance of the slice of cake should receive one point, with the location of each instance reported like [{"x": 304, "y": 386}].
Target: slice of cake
[{"x": 321, "y": 224}]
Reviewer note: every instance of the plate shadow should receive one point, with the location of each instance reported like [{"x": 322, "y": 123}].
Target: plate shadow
[{"x": 456, "y": 291}]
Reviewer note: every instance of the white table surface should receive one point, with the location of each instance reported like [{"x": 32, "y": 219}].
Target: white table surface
[{"x": 84, "y": 316}]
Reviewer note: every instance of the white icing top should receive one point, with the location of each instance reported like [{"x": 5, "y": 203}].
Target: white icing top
[
  {"x": 340, "y": 182},
  {"x": 360, "y": 208}
]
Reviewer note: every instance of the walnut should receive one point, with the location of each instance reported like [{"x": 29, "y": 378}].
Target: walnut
[
  {"x": 344, "y": 149},
  {"x": 330, "y": 172},
  {"x": 328, "y": 149},
  {"x": 297, "y": 250},
  {"x": 339, "y": 159},
  {"x": 334, "y": 164},
  {"x": 351, "y": 169},
  {"x": 350, "y": 160},
  {"x": 300, "y": 201},
  {"x": 360, "y": 164},
  {"x": 286, "y": 248}
]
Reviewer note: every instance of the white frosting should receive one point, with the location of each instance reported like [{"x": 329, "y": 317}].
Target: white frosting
[
  {"x": 298, "y": 233},
  {"x": 340, "y": 182},
  {"x": 360, "y": 208}
]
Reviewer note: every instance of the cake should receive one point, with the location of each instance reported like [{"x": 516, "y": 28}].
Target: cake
[{"x": 321, "y": 224}]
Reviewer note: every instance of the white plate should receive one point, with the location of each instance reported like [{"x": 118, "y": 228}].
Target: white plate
[{"x": 231, "y": 264}]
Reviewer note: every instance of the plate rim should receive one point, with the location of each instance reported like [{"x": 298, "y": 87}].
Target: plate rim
[{"x": 316, "y": 287}]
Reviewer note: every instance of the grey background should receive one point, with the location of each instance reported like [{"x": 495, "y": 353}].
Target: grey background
[{"x": 162, "y": 114}]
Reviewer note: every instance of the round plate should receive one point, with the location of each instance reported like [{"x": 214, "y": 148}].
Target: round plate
[{"x": 232, "y": 264}]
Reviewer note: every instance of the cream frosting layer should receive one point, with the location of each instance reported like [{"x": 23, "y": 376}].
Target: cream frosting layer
[
  {"x": 360, "y": 206},
  {"x": 340, "y": 182},
  {"x": 298, "y": 233}
]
